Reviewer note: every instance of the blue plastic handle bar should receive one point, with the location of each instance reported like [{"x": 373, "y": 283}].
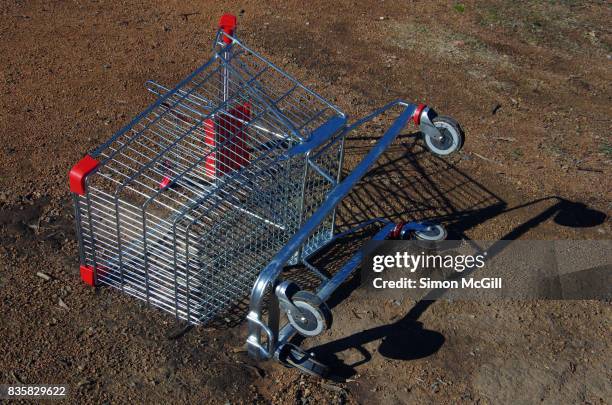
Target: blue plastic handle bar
[{"x": 319, "y": 136}]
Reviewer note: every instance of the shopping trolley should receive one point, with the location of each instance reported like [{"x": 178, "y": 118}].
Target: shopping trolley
[{"x": 223, "y": 181}]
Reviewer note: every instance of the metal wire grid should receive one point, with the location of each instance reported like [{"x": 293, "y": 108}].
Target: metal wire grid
[
  {"x": 316, "y": 188},
  {"x": 196, "y": 248}
]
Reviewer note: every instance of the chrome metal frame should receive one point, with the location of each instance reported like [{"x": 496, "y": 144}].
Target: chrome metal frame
[{"x": 246, "y": 195}]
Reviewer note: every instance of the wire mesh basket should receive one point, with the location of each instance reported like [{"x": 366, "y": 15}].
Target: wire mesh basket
[
  {"x": 196, "y": 194},
  {"x": 227, "y": 177}
]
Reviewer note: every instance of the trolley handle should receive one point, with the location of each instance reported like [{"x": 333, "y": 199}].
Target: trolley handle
[{"x": 271, "y": 272}]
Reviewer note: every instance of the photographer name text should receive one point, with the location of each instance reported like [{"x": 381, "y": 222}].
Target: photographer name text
[{"x": 428, "y": 283}]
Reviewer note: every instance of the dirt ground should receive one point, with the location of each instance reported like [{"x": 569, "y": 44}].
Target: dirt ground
[{"x": 528, "y": 81}]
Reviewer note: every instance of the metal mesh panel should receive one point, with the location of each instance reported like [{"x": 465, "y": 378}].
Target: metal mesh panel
[{"x": 316, "y": 188}]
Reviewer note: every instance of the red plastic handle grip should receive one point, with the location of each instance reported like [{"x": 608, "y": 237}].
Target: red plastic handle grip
[{"x": 227, "y": 24}]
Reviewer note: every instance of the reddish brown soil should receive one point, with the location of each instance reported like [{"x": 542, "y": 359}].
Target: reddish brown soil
[{"x": 530, "y": 84}]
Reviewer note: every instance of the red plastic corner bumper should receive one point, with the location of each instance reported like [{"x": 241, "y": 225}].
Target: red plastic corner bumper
[
  {"x": 228, "y": 23},
  {"x": 79, "y": 172},
  {"x": 88, "y": 275}
]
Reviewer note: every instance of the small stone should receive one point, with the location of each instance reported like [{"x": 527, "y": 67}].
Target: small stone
[
  {"x": 495, "y": 108},
  {"x": 62, "y": 304},
  {"x": 85, "y": 382}
]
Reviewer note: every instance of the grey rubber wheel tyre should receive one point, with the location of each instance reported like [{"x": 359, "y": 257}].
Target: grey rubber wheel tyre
[
  {"x": 452, "y": 136},
  {"x": 314, "y": 316},
  {"x": 434, "y": 233}
]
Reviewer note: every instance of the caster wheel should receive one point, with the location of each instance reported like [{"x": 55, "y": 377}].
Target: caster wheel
[
  {"x": 293, "y": 356},
  {"x": 314, "y": 315},
  {"x": 433, "y": 233},
  {"x": 452, "y": 136}
]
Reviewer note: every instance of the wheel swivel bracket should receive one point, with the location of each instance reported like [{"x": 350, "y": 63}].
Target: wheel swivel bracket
[
  {"x": 426, "y": 125},
  {"x": 284, "y": 291}
]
